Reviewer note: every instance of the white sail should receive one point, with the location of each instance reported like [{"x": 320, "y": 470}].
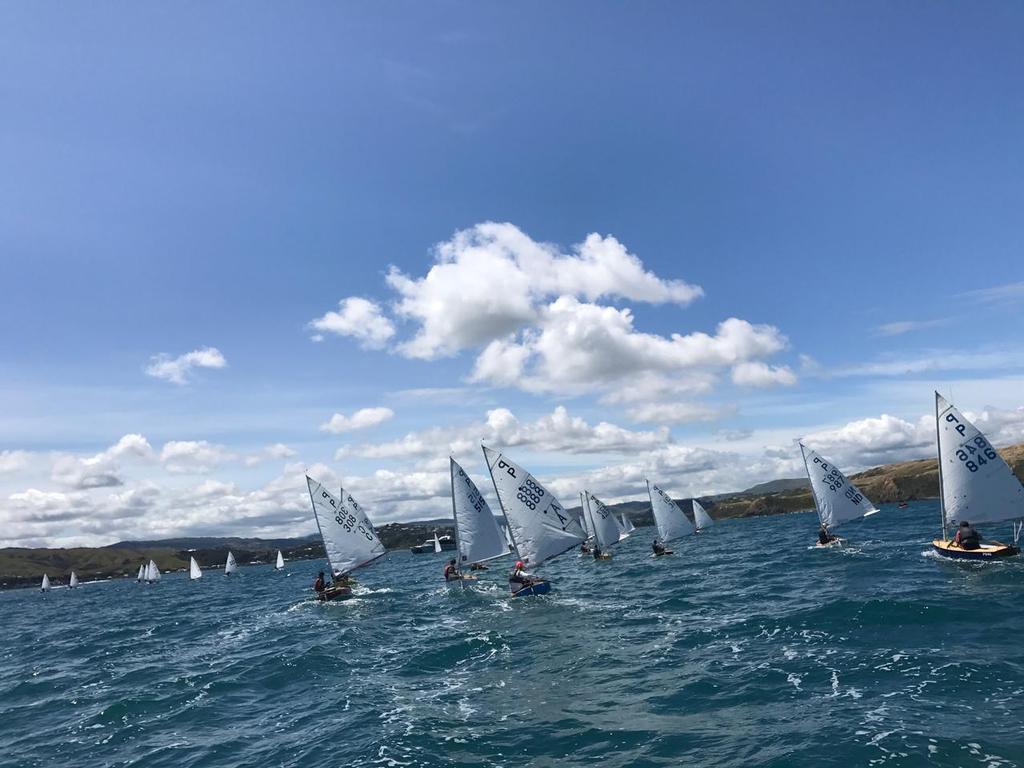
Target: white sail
[
  {"x": 437, "y": 543},
  {"x": 476, "y": 530},
  {"x": 838, "y": 500},
  {"x": 606, "y": 527},
  {"x": 585, "y": 519},
  {"x": 627, "y": 524},
  {"x": 280, "y": 561},
  {"x": 142, "y": 573},
  {"x": 540, "y": 527},
  {"x": 349, "y": 539},
  {"x": 977, "y": 485},
  {"x": 701, "y": 519},
  {"x": 74, "y": 580},
  {"x": 671, "y": 522},
  {"x": 152, "y": 572},
  {"x": 622, "y": 528},
  {"x": 194, "y": 571},
  {"x": 230, "y": 566},
  {"x": 45, "y": 586}
]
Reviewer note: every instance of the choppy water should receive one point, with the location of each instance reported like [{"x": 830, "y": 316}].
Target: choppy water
[{"x": 745, "y": 648}]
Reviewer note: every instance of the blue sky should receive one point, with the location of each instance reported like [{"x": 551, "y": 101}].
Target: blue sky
[{"x": 178, "y": 179}]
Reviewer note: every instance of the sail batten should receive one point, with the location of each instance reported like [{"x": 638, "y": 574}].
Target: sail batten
[
  {"x": 539, "y": 526},
  {"x": 671, "y": 522},
  {"x": 837, "y": 499},
  {"x": 977, "y": 484},
  {"x": 476, "y": 531},
  {"x": 350, "y": 541}
]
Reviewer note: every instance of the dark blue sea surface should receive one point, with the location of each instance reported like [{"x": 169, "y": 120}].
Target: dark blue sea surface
[{"x": 747, "y": 647}]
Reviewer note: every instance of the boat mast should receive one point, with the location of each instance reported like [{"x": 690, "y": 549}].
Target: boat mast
[
  {"x": 508, "y": 525},
  {"x": 938, "y": 450},
  {"x": 458, "y": 538}
]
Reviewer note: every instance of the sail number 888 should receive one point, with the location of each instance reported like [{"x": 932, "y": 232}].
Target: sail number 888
[
  {"x": 976, "y": 454},
  {"x": 530, "y": 493}
]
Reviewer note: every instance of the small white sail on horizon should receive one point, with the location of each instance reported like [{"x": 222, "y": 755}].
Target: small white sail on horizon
[
  {"x": 627, "y": 524},
  {"x": 152, "y": 572},
  {"x": 671, "y": 522},
  {"x": 701, "y": 519},
  {"x": 606, "y": 526},
  {"x": 622, "y": 527},
  {"x": 230, "y": 566},
  {"x": 837, "y": 499},
  {"x": 194, "y": 571},
  {"x": 350, "y": 541},
  {"x": 73, "y": 581},
  {"x": 45, "y": 586},
  {"x": 539, "y": 526},
  {"x": 476, "y": 531},
  {"x": 142, "y": 573},
  {"x": 437, "y": 544},
  {"x": 977, "y": 484},
  {"x": 280, "y": 561}
]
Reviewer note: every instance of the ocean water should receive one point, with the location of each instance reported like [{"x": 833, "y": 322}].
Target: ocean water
[{"x": 748, "y": 647}]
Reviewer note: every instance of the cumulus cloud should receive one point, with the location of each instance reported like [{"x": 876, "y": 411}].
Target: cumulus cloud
[
  {"x": 193, "y": 456},
  {"x": 359, "y": 318},
  {"x": 761, "y": 375},
  {"x": 177, "y": 369},
  {"x": 361, "y": 419},
  {"x": 556, "y": 431},
  {"x": 275, "y": 451},
  {"x": 13, "y": 461},
  {"x": 870, "y": 441},
  {"x": 677, "y": 413},
  {"x": 103, "y": 469}
]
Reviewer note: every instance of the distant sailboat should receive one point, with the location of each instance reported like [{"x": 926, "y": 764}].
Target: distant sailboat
[
  {"x": 45, "y": 586},
  {"x": 437, "y": 544},
  {"x": 152, "y": 573},
  {"x": 976, "y": 484},
  {"x": 540, "y": 528},
  {"x": 280, "y": 561},
  {"x": 701, "y": 519},
  {"x": 622, "y": 528},
  {"x": 604, "y": 523},
  {"x": 627, "y": 524},
  {"x": 837, "y": 499},
  {"x": 194, "y": 571},
  {"x": 230, "y": 566},
  {"x": 671, "y": 522},
  {"x": 350, "y": 540},
  {"x": 142, "y": 573},
  {"x": 73, "y": 582},
  {"x": 476, "y": 531}
]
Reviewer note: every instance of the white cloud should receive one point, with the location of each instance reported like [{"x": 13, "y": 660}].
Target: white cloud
[
  {"x": 761, "y": 375},
  {"x": 279, "y": 451},
  {"x": 359, "y": 318},
  {"x": 557, "y": 431},
  {"x": 491, "y": 280},
  {"x": 103, "y": 469},
  {"x": 13, "y": 461},
  {"x": 871, "y": 441},
  {"x": 899, "y": 327},
  {"x": 177, "y": 369},
  {"x": 193, "y": 456},
  {"x": 1010, "y": 292},
  {"x": 361, "y": 419}
]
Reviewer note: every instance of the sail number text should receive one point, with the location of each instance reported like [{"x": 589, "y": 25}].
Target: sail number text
[{"x": 835, "y": 480}]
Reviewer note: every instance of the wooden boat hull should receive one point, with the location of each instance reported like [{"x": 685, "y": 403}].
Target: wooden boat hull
[
  {"x": 992, "y": 551},
  {"x": 540, "y": 588},
  {"x": 335, "y": 593},
  {"x": 662, "y": 554}
]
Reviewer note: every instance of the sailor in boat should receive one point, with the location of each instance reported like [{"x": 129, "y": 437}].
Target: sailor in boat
[
  {"x": 451, "y": 571},
  {"x": 967, "y": 537},
  {"x": 519, "y": 579},
  {"x": 596, "y": 551},
  {"x": 658, "y": 547},
  {"x": 477, "y": 567},
  {"x": 824, "y": 537},
  {"x": 320, "y": 586},
  {"x": 584, "y": 549}
]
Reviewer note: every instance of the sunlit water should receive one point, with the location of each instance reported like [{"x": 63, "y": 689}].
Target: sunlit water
[{"x": 748, "y": 647}]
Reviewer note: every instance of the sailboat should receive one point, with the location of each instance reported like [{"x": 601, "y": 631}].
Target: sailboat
[
  {"x": 280, "y": 561},
  {"x": 230, "y": 566},
  {"x": 45, "y": 586},
  {"x": 975, "y": 484},
  {"x": 627, "y": 525},
  {"x": 672, "y": 523},
  {"x": 152, "y": 573},
  {"x": 701, "y": 519},
  {"x": 476, "y": 531},
  {"x": 540, "y": 528},
  {"x": 604, "y": 524},
  {"x": 74, "y": 581},
  {"x": 837, "y": 499},
  {"x": 142, "y": 573},
  {"x": 194, "y": 571},
  {"x": 350, "y": 540},
  {"x": 437, "y": 544}
]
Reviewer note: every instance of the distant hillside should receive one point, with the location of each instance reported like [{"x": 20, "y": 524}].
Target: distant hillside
[{"x": 776, "y": 486}]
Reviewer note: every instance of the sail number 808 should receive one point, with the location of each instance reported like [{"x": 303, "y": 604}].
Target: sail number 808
[{"x": 976, "y": 454}]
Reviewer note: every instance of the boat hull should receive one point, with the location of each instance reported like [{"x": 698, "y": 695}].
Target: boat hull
[
  {"x": 540, "y": 588},
  {"x": 334, "y": 593},
  {"x": 993, "y": 551},
  {"x": 662, "y": 554}
]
